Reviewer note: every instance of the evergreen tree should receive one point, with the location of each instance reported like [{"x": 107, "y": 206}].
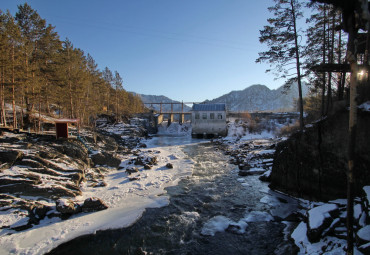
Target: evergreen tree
[
  {"x": 13, "y": 44},
  {"x": 32, "y": 27},
  {"x": 281, "y": 36},
  {"x": 108, "y": 77},
  {"x": 118, "y": 90}
]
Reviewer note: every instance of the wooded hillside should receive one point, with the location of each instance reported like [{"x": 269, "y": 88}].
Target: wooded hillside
[{"x": 39, "y": 74}]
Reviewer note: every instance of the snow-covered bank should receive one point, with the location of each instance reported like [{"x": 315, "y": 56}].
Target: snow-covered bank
[{"x": 126, "y": 195}]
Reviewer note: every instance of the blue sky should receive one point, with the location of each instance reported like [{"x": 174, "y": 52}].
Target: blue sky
[{"x": 188, "y": 50}]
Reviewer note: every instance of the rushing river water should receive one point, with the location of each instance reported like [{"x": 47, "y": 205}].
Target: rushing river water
[{"x": 194, "y": 220}]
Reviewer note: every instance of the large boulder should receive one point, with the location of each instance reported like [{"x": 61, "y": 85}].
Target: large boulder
[
  {"x": 319, "y": 219},
  {"x": 313, "y": 164},
  {"x": 8, "y": 157},
  {"x": 93, "y": 204},
  {"x": 105, "y": 158},
  {"x": 67, "y": 206}
]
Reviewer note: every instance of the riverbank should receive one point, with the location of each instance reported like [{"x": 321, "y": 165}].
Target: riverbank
[{"x": 115, "y": 169}]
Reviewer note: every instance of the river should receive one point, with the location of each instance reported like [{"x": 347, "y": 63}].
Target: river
[{"x": 213, "y": 211}]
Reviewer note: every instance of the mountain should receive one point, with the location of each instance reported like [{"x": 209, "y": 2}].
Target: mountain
[
  {"x": 162, "y": 99},
  {"x": 261, "y": 98}
]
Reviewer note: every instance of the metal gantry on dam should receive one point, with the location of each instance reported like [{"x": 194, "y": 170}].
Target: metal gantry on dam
[{"x": 171, "y": 114}]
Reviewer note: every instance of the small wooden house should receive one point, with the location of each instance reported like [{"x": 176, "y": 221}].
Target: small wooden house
[
  {"x": 209, "y": 120},
  {"x": 61, "y": 127}
]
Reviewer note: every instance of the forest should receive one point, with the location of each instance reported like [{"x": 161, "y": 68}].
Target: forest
[
  {"x": 41, "y": 74},
  {"x": 308, "y": 41}
]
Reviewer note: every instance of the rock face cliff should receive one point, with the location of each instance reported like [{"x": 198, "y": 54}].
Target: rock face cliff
[{"x": 314, "y": 164}]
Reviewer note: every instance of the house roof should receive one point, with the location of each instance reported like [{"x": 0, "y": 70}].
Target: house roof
[
  {"x": 66, "y": 121},
  {"x": 209, "y": 107}
]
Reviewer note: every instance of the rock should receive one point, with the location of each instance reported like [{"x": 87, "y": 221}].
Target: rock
[
  {"x": 75, "y": 150},
  {"x": 319, "y": 219},
  {"x": 147, "y": 167},
  {"x": 100, "y": 184},
  {"x": 142, "y": 145},
  {"x": 244, "y": 166},
  {"x": 77, "y": 177},
  {"x": 134, "y": 179},
  {"x": 10, "y": 156},
  {"x": 150, "y": 160},
  {"x": 131, "y": 170},
  {"x": 169, "y": 165},
  {"x": 266, "y": 177},
  {"x": 93, "y": 204},
  {"x": 363, "y": 235},
  {"x": 365, "y": 248},
  {"x": 243, "y": 173},
  {"x": 38, "y": 212},
  {"x": 105, "y": 158},
  {"x": 67, "y": 206}
]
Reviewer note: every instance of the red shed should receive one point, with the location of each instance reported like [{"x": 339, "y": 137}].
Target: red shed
[{"x": 61, "y": 127}]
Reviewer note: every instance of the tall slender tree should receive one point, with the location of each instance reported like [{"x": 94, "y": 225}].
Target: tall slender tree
[
  {"x": 281, "y": 36},
  {"x": 108, "y": 77},
  {"x": 118, "y": 89},
  {"x": 32, "y": 27}
]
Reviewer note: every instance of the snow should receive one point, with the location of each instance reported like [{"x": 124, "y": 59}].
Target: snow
[
  {"x": 365, "y": 106},
  {"x": 333, "y": 246},
  {"x": 357, "y": 210},
  {"x": 364, "y": 233},
  {"x": 318, "y": 214},
  {"x": 221, "y": 223},
  {"x": 215, "y": 224},
  {"x": 175, "y": 129},
  {"x": 127, "y": 200},
  {"x": 257, "y": 216},
  {"x": 236, "y": 131},
  {"x": 367, "y": 191}
]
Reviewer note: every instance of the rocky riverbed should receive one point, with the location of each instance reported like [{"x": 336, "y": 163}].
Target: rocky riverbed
[
  {"x": 319, "y": 227},
  {"x": 43, "y": 177}
]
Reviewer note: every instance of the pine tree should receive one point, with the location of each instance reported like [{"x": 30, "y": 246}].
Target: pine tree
[
  {"x": 32, "y": 27},
  {"x": 117, "y": 80},
  {"x": 108, "y": 77},
  {"x": 3, "y": 61},
  {"x": 281, "y": 36},
  {"x": 13, "y": 44}
]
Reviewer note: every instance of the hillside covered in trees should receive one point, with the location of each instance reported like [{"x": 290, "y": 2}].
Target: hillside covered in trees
[{"x": 40, "y": 73}]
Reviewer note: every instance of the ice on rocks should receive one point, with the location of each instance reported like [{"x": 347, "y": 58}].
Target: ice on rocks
[
  {"x": 365, "y": 106},
  {"x": 367, "y": 191},
  {"x": 364, "y": 233},
  {"x": 221, "y": 223},
  {"x": 215, "y": 224},
  {"x": 258, "y": 216},
  {"x": 317, "y": 215}
]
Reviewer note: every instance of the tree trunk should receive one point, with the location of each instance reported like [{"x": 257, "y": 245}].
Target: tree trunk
[
  {"x": 2, "y": 93},
  {"x": 351, "y": 56},
  {"x": 323, "y": 61},
  {"x": 298, "y": 65},
  {"x": 13, "y": 89},
  {"x": 331, "y": 61},
  {"x": 342, "y": 76}
]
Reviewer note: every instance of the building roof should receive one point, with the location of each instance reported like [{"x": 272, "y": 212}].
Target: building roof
[
  {"x": 66, "y": 121},
  {"x": 209, "y": 107}
]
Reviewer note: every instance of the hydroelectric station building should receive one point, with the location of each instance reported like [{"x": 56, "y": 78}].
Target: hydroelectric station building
[{"x": 208, "y": 120}]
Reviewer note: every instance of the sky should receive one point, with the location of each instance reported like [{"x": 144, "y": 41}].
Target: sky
[{"x": 189, "y": 50}]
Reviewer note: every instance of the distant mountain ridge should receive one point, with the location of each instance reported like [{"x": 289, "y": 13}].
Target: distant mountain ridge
[
  {"x": 253, "y": 98},
  {"x": 260, "y": 98},
  {"x": 162, "y": 99}
]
